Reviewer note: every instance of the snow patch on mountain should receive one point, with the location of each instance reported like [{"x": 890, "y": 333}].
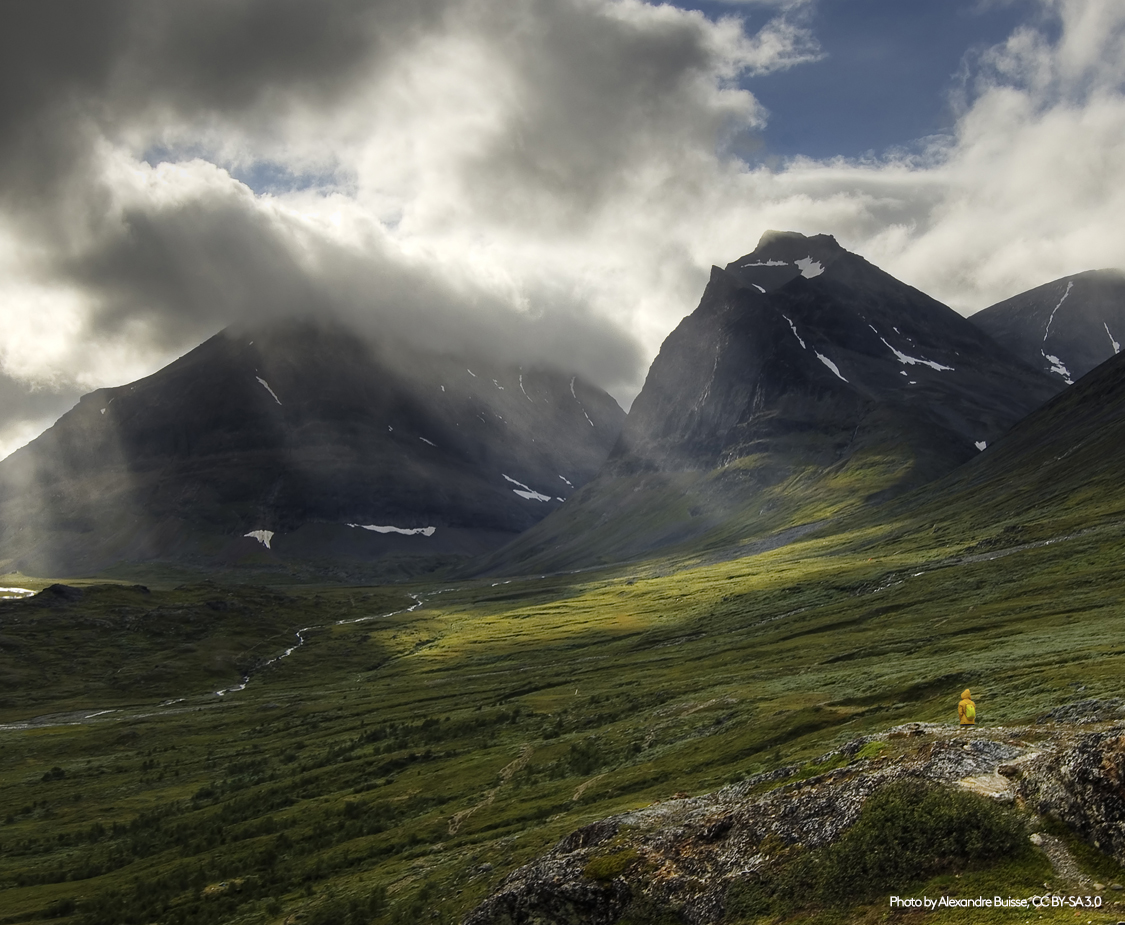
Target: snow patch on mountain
[
  {"x": 981, "y": 445},
  {"x": 405, "y": 531},
  {"x": 832, "y": 366},
  {"x": 262, "y": 536},
  {"x": 1047, "y": 330},
  {"x": 6, "y": 593},
  {"x": 793, "y": 328},
  {"x": 759, "y": 288},
  {"x": 911, "y": 361},
  {"x": 766, "y": 263},
  {"x": 527, "y": 493},
  {"x": 266, "y": 386},
  {"x": 430, "y": 442},
  {"x": 1116, "y": 345},
  {"x": 809, "y": 268},
  {"x": 522, "y": 389},
  {"x": 1058, "y": 367},
  {"x": 572, "y": 392}
]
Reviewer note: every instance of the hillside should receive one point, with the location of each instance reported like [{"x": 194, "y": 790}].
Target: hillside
[
  {"x": 394, "y": 763},
  {"x": 326, "y": 448},
  {"x": 1057, "y": 473},
  {"x": 800, "y": 387},
  {"x": 1064, "y": 328},
  {"x": 779, "y": 842}
]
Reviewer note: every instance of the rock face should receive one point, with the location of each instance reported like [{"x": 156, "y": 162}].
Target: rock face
[
  {"x": 802, "y": 362},
  {"x": 684, "y": 855},
  {"x": 294, "y": 432},
  {"x": 1084, "y": 786},
  {"x": 1064, "y": 328},
  {"x": 815, "y": 355}
]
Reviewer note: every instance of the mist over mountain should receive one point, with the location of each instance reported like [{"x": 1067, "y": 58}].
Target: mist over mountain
[
  {"x": 802, "y": 362},
  {"x": 1065, "y": 327},
  {"x": 314, "y": 441}
]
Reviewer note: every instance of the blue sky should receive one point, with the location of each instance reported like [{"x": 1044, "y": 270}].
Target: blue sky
[
  {"x": 888, "y": 75},
  {"x": 886, "y": 78}
]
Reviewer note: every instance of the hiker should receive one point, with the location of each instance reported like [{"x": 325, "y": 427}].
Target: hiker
[{"x": 966, "y": 709}]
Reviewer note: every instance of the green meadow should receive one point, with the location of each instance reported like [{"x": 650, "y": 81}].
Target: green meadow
[{"x": 397, "y": 765}]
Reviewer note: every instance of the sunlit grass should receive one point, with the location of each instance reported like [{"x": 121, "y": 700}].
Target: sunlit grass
[{"x": 430, "y": 752}]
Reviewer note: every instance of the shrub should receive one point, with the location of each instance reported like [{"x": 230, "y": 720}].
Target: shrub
[
  {"x": 604, "y": 867},
  {"x": 906, "y": 833},
  {"x": 354, "y": 910}
]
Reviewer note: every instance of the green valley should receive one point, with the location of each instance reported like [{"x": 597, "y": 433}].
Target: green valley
[{"x": 401, "y": 766}]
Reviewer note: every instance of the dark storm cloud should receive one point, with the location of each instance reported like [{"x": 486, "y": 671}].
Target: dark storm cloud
[
  {"x": 189, "y": 269},
  {"x": 584, "y": 90},
  {"x": 72, "y": 67},
  {"x": 592, "y": 92},
  {"x": 544, "y": 179}
]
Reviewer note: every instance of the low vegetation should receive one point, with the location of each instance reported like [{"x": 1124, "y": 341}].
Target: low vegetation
[
  {"x": 396, "y": 768},
  {"x": 906, "y": 834}
]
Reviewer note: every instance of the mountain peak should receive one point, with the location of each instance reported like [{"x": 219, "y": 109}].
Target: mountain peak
[
  {"x": 788, "y": 243},
  {"x": 782, "y": 256}
]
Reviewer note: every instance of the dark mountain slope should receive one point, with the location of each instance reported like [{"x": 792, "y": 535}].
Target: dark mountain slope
[
  {"x": 821, "y": 355},
  {"x": 300, "y": 430},
  {"x": 1064, "y": 328},
  {"x": 799, "y": 385},
  {"x": 1058, "y": 471}
]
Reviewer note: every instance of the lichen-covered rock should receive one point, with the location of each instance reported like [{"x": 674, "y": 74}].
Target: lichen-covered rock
[
  {"x": 1082, "y": 783},
  {"x": 1087, "y": 711},
  {"x": 682, "y": 856}
]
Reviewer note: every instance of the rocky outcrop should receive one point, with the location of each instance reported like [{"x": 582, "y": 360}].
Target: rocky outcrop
[
  {"x": 685, "y": 854},
  {"x": 1083, "y": 784}
]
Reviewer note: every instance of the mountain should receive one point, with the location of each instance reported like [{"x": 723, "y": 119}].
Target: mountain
[
  {"x": 1064, "y": 328},
  {"x": 762, "y": 845},
  {"x": 301, "y": 441},
  {"x": 1055, "y": 474},
  {"x": 807, "y": 380}
]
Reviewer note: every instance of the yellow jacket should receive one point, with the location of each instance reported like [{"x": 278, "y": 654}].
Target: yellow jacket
[{"x": 966, "y": 709}]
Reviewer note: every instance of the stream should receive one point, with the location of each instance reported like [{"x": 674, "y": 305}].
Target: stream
[
  {"x": 300, "y": 634},
  {"x": 79, "y": 717}
]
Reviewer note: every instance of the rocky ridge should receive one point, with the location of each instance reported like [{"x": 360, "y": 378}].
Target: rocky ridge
[
  {"x": 686, "y": 853},
  {"x": 1065, "y": 327}
]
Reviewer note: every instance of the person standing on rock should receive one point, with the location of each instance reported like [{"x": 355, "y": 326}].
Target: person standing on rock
[{"x": 966, "y": 709}]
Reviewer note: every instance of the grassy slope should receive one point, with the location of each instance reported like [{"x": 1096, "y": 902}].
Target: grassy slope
[
  {"x": 673, "y": 515},
  {"x": 407, "y": 763},
  {"x": 502, "y": 717}
]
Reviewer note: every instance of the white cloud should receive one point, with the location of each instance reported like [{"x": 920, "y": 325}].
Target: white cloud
[{"x": 543, "y": 175}]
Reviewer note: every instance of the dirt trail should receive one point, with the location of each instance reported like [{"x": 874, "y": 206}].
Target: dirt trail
[
  {"x": 582, "y": 788},
  {"x": 1062, "y": 861},
  {"x": 506, "y": 773}
]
